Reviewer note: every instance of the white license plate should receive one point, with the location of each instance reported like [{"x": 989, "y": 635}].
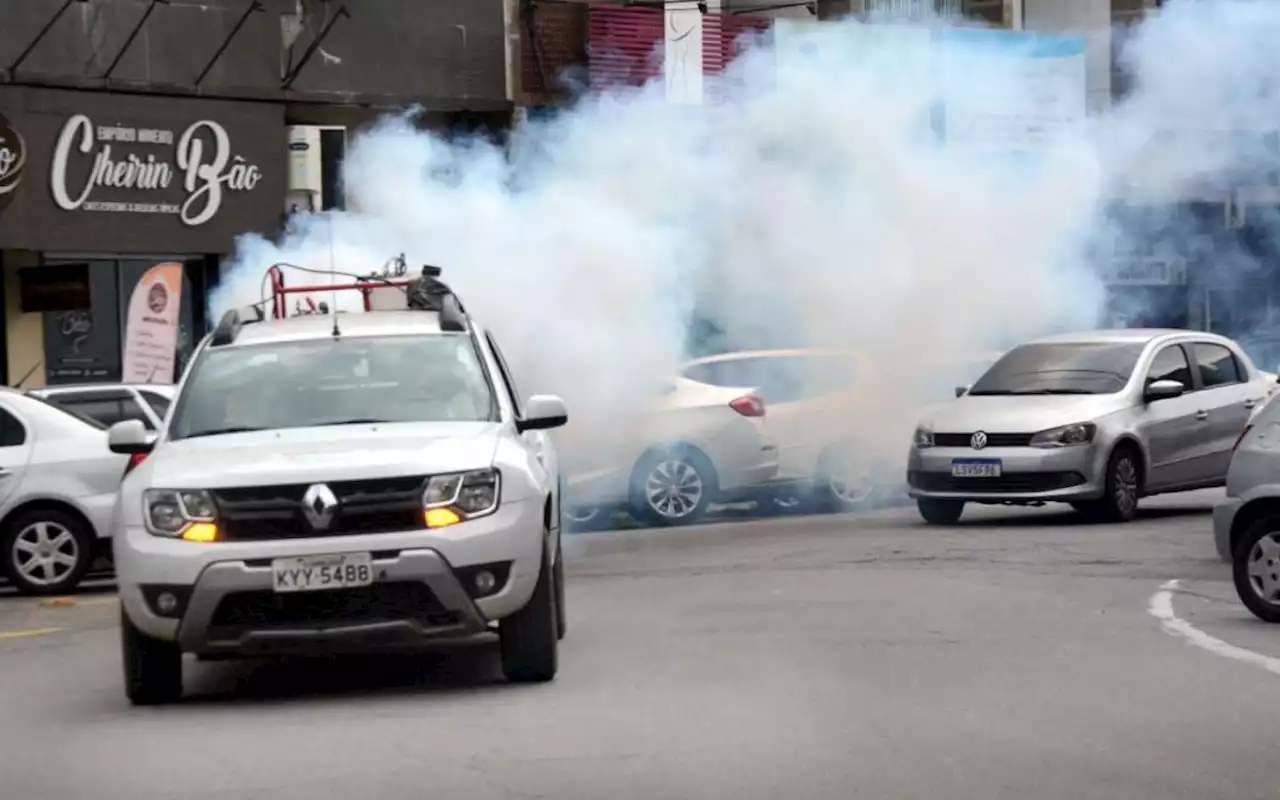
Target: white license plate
[
  {"x": 975, "y": 469},
  {"x": 318, "y": 573}
]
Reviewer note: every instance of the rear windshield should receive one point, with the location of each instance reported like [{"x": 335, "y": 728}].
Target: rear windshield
[
  {"x": 85, "y": 418},
  {"x": 1066, "y": 368}
]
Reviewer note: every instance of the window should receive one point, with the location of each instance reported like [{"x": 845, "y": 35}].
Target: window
[
  {"x": 300, "y": 384},
  {"x": 778, "y": 379},
  {"x": 71, "y": 412},
  {"x": 12, "y": 431},
  {"x": 106, "y": 406},
  {"x": 1061, "y": 368},
  {"x": 512, "y": 393},
  {"x": 158, "y": 402},
  {"x": 1170, "y": 364},
  {"x": 1217, "y": 365}
]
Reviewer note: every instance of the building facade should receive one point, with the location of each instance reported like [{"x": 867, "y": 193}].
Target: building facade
[{"x": 136, "y": 133}]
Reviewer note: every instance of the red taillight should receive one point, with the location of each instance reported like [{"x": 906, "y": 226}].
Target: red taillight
[
  {"x": 1240, "y": 438},
  {"x": 748, "y": 406},
  {"x": 135, "y": 460}
]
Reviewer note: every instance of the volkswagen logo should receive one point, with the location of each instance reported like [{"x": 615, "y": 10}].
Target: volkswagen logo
[
  {"x": 318, "y": 505},
  {"x": 978, "y": 440}
]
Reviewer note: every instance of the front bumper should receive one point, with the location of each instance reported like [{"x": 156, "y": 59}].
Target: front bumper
[
  {"x": 1028, "y": 474},
  {"x": 1224, "y": 517},
  {"x": 227, "y": 604}
]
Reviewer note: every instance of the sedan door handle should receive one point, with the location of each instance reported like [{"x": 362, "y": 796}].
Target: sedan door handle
[
  {"x": 1202, "y": 415},
  {"x": 1250, "y": 403},
  {"x": 4, "y": 473}
]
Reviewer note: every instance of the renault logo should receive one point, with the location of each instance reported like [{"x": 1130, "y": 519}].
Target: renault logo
[
  {"x": 318, "y": 505},
  {"x": 977, "y": 441}
]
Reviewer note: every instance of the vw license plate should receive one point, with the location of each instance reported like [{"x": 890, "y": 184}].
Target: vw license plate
[
  {"x": 317, "y": 573},
  {"x": 975, "y": 469}
]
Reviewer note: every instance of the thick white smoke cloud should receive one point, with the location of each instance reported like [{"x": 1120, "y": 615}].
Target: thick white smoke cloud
[{"x": 811, "y": 208}]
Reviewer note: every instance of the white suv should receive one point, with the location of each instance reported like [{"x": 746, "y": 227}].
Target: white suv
[{"x": 339, "y": 483}]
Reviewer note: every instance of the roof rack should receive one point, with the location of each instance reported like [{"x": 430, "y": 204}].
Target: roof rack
[{"x": 392, "y": 290}]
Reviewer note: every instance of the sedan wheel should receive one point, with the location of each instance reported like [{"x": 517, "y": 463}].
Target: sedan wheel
[
  {"x": 1256, "y": 569},
  {"x": 46, "y": 552},
  {"x": 672, "y": 488}
]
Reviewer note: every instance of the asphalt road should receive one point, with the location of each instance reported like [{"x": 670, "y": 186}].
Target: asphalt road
[{"x": 1015, "y": 656}]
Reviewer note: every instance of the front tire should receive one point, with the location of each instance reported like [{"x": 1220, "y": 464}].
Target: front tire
[
  {"x": 46, "y": 551},
  {"x": 562, "y": 620},
  {"x": 940, "y": 512},
  {"x": 152, "y": 667},
  {"x": 1255, "y": 568},
  {"x": 1123, "y": 489},
  {"x": 528, "y": 639},
  {"x": 672, "y": 487}
]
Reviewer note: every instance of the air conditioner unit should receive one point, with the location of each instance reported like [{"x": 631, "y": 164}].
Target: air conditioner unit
[{"x": 305, "y": 193}]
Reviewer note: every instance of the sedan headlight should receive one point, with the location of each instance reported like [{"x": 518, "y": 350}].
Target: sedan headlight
[
  {"x": 923, "y": 437},
  {"x": 1065, "y": 436},
  {"x": 188, "y": 514},
  {"x": 450, "y": 499}
]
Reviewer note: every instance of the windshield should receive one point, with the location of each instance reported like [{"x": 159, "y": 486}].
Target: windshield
[
  {"x": 432, "y": 378},
  {"x": 1068, "y": 368}
]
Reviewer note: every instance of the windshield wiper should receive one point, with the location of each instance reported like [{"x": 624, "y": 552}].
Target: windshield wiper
[
  {"x": 369, "y": 421},
  {"x": 1055, "y": 391},
  {"x": 221, "y": 431}
]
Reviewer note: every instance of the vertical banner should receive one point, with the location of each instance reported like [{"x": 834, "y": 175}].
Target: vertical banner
[
  {"x": 682, "y": 53},
  {"x": 151, "y": 326}
]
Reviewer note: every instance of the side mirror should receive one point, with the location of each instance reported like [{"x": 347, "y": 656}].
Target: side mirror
[
  {"x": 961, "y": 391},
  {"x": 1163, "y": 390},
  {"x": 543, "y": 412},
  {"x": 130, "y": 437}
]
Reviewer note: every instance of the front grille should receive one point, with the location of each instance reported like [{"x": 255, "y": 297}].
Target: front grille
[
  {"x": 382, "y": 602},
  {"x": 275, "y": 512},
  {"x": 1012, "y": 482},
  {"x": 993, "y": 439}
]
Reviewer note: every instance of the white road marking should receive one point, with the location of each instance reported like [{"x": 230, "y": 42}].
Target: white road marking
[{"x": 1161, "y": 607}]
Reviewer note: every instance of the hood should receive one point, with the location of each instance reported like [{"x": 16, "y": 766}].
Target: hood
[
  {"x": 1019, "y": 414},
  {"x": 310, "y": 455}
]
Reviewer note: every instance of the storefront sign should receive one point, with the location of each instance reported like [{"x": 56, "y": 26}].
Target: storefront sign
[
  {"x": 13, "y": 156},
  {"x": 110, "y": 173},
  {"x": 151, "y": 326},
  {"x": 1145, "y": 272},
  {"x": 146, "y": 160}
]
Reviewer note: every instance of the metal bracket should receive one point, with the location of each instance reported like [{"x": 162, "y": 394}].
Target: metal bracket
[
  {"x": 312, "y": 48},
  {"x": 133, "y": 34},
  {"x": 254, "y": 5}
]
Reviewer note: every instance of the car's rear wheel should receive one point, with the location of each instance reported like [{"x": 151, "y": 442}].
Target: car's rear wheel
[
  {"x": 845, "y": 481},
  {"x": 46, "y": 551},
  {"x": 528, "y": 639},
  {"x": 152, "y": 667},
  {"x": 940, "y": 512},
  {"x": 1256, "y": 568},
  {"x": 672, "y": 487},
  {"x": 1123, "y": 489}
]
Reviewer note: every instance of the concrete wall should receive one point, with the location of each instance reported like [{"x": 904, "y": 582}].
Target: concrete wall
[{"x": 24, "y": 332}]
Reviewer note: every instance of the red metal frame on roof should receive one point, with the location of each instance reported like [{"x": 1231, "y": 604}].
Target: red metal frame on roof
[{"x": 280, "y": 293}]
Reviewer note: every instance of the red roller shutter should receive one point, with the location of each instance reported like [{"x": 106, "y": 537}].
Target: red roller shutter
[{"x": 624, "y": 46}]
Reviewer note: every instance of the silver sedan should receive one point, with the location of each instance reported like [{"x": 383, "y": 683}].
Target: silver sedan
[{"x": 1096, "y": 419}]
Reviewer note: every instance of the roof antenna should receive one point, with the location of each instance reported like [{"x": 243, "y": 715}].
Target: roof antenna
[{"x": 333, "y": 276}]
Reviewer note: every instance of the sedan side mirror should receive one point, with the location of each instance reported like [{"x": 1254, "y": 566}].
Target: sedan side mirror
[
  {"x": 1163, "y": 390},
  {"x": 961, "y": 391},
  {"x": 130, "y": 437},
  {"x": 542, "y": 412}
]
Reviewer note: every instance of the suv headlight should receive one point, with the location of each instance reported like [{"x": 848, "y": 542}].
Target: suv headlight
[
  {"x": 1065, "y": 436},
  {"x": 188, "y": 514},
  {"x": 923, "y": 437},
  {"x": 450, "y": 499}
]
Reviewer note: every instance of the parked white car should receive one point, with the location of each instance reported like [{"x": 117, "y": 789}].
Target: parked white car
[
  {"x": 694, "y": 445},
  {"x": 58, "y": 483},
  {"x": 110, "y": 403}
]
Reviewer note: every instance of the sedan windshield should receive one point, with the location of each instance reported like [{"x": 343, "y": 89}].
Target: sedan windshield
[
  {"x": 1067, "y": 368},
  {"x": 334, "y": 382}
]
